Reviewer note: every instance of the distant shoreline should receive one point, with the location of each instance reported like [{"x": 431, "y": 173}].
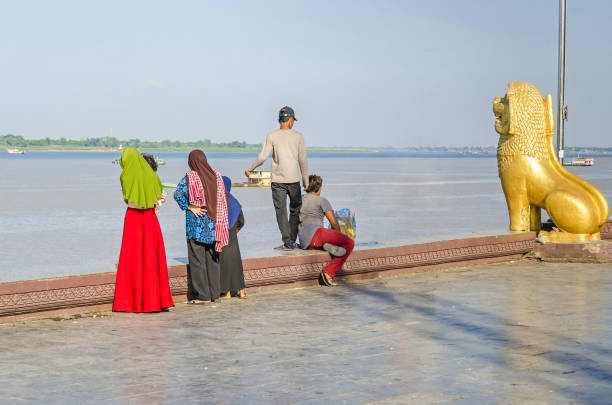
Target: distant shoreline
[
  {"x": 474, "y": 151},
  {"x": 110, "y": 144},
  {"x": 589, "y": 152},
  {"x": 207, "y": 150}
]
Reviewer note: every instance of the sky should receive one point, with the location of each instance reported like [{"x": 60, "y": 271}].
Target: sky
[{"x": 357, "y": 73}]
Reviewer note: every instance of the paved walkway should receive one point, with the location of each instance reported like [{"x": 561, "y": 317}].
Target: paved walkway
[{"x": 515, "y": 333}]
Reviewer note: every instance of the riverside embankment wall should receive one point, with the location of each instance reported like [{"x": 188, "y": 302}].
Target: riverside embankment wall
[{"x": 45, "y": 297}]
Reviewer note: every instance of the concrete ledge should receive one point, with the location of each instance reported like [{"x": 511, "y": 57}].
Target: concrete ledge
[
  {"x": 25, "y": 297},
  {"x": 92, "y": 310},
  {"x": 22, "y": 297},
  {"x": 95, "y": 291},
  {"x": 586, "y": 252},
  {"x": 282, "y": 270}
]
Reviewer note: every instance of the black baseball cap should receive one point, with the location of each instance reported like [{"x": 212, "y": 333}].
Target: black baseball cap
[{"x": 285, "y": 113}]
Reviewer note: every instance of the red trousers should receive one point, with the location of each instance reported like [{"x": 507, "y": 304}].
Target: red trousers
[
  {"x": 323, "y": 236},
  {"x": 142, "y": 275}
]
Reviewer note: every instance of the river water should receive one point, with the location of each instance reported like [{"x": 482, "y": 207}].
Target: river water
[{"x": 62, "y": 213}]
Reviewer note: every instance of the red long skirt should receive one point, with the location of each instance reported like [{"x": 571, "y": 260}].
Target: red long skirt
[{"x": 142, "y": 276}]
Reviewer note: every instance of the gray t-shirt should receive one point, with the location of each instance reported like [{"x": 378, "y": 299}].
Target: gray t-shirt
[{"x": 311, "y": 217}]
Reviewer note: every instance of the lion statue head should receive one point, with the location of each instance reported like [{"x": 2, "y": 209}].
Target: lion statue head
[{"x": 524, "y": 120}]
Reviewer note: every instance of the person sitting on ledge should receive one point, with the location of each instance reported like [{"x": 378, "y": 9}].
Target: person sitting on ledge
[{"x": 313, "y": 235}]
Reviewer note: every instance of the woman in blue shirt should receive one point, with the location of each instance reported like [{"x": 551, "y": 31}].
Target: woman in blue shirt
[{"x": 201, "y": 195}]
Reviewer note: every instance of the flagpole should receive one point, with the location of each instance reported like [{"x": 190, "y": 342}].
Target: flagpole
[{"x": 561, "y": 107}]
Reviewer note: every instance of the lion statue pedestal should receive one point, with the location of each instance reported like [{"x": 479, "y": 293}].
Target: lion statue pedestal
[{"x": 531, "y": 176}]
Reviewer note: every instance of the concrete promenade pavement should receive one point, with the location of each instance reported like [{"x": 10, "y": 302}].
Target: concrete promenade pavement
[{"x": 515, "y": 333}]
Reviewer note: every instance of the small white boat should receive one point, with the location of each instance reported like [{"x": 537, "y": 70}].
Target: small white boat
[
  {"x": 257, "y": 178},
  {"x": 580, "y": 161},
  {"x": 159, "y": 161},
  {"x": 15, "y": 151}
]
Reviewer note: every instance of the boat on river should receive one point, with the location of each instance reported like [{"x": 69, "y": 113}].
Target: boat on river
[
  {"x": 158, "y": 160},
  {"x": 257, "y": 178},
  {"x": 15, "y": 151},
  {"x": 580, "y": 161}
]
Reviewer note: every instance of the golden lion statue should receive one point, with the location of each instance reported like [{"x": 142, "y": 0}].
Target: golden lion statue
[{"x": 531, "y": 176}]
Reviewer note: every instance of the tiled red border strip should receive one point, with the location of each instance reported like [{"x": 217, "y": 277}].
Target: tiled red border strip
[
  {"x": 606, "y": 232},
  {"x": 66, "y": 292},
  {"x": 366, "y": 261}
]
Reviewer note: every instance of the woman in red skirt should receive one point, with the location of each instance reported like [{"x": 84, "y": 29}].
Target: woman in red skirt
[{"x": 142, "y": 275}]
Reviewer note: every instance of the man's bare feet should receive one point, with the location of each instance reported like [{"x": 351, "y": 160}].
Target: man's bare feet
[
  {"x": 226, "y": 295},
  {"x": 241, "y": 293}
]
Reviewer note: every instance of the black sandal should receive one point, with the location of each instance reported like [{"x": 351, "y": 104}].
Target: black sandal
[{"x": 325, "y": 279}]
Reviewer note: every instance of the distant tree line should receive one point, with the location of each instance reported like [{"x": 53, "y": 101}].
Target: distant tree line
[
  {"x": 109, "y": 142},
  {"x": 112, "y": 143}
]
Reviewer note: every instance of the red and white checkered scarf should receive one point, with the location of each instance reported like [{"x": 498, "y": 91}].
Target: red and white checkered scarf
[{"x": 196, "y": 197}]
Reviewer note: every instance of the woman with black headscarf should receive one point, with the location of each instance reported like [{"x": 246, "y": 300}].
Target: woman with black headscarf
[
  {"x": 201, "y": 194},
  {"x": 232, "y": 273}
]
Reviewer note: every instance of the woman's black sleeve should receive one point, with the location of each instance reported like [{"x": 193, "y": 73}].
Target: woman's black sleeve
[{"x": 240, "y": 221}]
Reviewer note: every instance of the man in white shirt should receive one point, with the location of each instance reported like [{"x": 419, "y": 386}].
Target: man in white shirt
[{"x": 288, "y": 152}]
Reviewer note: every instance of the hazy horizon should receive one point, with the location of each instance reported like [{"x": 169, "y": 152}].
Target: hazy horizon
[{"x": 361, "y": 74}]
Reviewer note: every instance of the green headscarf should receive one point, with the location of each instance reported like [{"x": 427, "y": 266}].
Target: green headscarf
[{"x": 139, "y": 183}]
